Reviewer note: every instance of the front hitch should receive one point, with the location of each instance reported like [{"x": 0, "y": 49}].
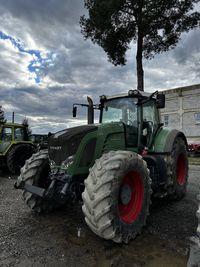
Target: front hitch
[
  {"x": 20, "y": 184},
  {"x": 38, "y": 191},
  {"x": 51, "y": 191}
]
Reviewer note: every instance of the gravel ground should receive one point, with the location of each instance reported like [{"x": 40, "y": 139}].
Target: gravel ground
[{"x": 63, "y": 239}]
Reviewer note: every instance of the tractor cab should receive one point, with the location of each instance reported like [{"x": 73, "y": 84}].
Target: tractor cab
[
  {"x": 11, "y": 133},
  {"x": 138, "y": 112},
  {"x": 15, "y": 146}
]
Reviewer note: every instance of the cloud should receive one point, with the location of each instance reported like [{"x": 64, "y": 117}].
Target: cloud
[
  {"x": 46, "y": 65},
  {"x": 13, "y": 66},
  {"x": 188, "y": 47}
]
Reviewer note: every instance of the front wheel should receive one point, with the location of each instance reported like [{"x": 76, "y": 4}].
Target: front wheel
[
  {"x": 35, "y": 172},
  {"x": 117, "y": 194}
]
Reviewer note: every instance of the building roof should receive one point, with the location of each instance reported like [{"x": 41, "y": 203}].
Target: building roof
[{"x": 182, "y": 89}]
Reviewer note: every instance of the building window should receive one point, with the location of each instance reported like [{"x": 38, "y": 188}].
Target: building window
[
  {"x": 197, "y": 118},
  {"x": 166, "y": 120}
]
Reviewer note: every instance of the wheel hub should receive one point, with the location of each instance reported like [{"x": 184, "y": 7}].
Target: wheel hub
[
  {"x": 125, "y": 194},
  {"x": 131, "y": 197}
]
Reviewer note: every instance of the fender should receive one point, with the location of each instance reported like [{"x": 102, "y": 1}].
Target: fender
[{"x": 164, "y": 140}]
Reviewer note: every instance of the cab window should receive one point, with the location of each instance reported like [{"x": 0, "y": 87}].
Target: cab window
[
  {"x": 120, "y": 110},
  {"x": 123, "y": 110},
  {"x": 19, "y": 134},
  {"x": 150, "y": 113},
  {"x": 150, "y": 120},
  {"x": 7, "y": 134}
]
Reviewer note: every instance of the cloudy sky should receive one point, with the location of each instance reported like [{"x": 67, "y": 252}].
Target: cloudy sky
[{"x": 46, "y": 65}]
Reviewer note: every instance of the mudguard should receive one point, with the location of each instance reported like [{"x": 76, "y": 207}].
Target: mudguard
[{"x": 165, "y": 138}]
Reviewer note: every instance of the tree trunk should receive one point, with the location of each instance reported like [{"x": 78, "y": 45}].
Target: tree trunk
[{"x": 140, "y": 72}]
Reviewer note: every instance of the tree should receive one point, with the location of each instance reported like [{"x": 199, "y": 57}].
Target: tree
[
  {"x": 26, "y": 124},
  {"x": 154, "y": 25},
  {"x": 2, "y": 118}
]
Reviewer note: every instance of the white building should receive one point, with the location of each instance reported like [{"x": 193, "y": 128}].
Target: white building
[{"x": 182, "y": 110}]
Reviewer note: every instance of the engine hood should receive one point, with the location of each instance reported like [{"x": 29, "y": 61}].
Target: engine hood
[{"x": 65, "y": 143}]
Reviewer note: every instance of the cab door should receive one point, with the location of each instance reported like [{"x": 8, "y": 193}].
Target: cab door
[
  {"x": 6, "y": 139},
  {"x": 150, "y": 122}
]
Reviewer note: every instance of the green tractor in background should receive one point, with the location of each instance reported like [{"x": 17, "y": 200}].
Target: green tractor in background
[
  {"x": 40, "y": 141},
  {"x": 114, "y": 166},
  {"x": 15, "y": 147}
]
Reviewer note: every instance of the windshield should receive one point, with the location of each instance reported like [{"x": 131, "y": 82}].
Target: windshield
[
  {"x": 19, "y": 134},
  {"x": 120, "y": 110}
]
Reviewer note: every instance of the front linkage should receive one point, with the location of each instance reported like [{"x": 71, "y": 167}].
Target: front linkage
[
  {"x": 59, "y": 180},
  {"x": 57, "y": 187}
]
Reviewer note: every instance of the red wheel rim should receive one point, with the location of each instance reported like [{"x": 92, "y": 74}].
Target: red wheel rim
[
  {"x": 181, "y": 169},
  {"x": 129, "y": 211}
]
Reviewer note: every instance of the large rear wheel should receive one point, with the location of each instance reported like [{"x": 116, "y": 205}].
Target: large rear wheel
[
  {"x": 179, "y": 169},
  {"x": 17, "y": 157},
  {"x": 117, "y": 194}
]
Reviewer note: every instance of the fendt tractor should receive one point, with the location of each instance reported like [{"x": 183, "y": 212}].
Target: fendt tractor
[
  {"x": 114, "y": 166},
  {"x": 15, "y": 147}
]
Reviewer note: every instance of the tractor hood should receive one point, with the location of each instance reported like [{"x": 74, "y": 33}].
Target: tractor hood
[{"x": 65, "y": 143}]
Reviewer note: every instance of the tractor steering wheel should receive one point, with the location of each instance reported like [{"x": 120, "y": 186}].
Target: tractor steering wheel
[{"x": 132, "y": 123}]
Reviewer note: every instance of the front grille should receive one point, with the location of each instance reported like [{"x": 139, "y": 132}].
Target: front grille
[{"x": 65, "y": 143}]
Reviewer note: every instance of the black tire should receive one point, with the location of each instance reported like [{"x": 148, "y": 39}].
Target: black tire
[
  {"x": 106, "y": 198},
  {"x": 17, "y": 157},
  {"x": 179, "y": 169},
  {"x": 35, "y": 172}
]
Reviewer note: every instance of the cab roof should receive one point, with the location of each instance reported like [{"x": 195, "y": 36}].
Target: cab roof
[
  {"x": 10, "y": 124},
  {"x": 130, "y": 93}
]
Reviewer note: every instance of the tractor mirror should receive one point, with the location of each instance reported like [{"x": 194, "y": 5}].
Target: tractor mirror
[
  {"x": 74, "y": 111},
  {"x": 160, "y": 101}
]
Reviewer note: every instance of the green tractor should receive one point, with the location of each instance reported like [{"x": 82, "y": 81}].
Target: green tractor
[
  {"x": 15, "y": 147},
  {"x": 40, "y": 141},
  {"x": 114, "y": 166}
]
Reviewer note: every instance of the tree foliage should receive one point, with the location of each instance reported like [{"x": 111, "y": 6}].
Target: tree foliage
[
  {"x": 155, "y": 25},
  {"x": 25, "y": 123},
  {"x": 2, "y": 118}
]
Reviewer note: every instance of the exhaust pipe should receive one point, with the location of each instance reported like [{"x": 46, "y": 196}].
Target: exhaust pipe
[
  {"x": 90, "y": 111},
  {"x": 13, "y": 117}
]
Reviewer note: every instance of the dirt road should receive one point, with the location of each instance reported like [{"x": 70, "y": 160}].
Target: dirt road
[{"x": 63, "y": 239}]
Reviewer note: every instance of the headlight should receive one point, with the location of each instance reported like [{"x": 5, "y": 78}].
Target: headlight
[{"x": 66, "y": 163}]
